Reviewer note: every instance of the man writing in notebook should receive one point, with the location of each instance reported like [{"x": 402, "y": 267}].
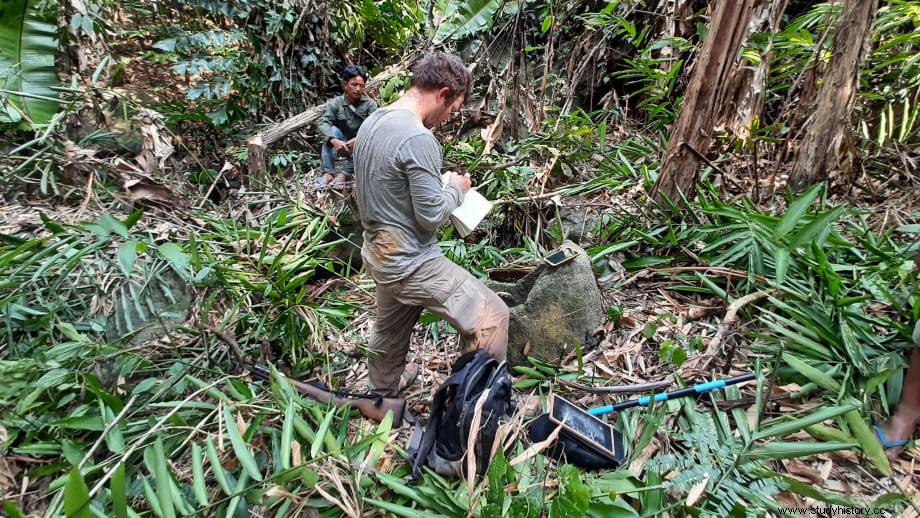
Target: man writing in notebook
[{"x": 402, "y": 201}]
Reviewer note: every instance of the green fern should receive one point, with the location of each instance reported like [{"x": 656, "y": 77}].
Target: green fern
[{"x": 711, "y": 455}]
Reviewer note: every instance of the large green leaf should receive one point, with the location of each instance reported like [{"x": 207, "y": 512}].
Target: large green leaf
[
  {"x": 28, "y": 44},
  {"x": 76, "y": 496},
  {"x": 797, "y": 209},
  {"x": 464, "y": 17}
]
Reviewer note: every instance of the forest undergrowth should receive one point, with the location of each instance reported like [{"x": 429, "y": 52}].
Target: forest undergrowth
[{"x": 121, "y": 393}]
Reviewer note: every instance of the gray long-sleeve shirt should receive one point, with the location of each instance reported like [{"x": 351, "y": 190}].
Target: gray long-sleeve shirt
[
  {"x": 347, "y": 117},
  {"x": 399, "y": 191}
]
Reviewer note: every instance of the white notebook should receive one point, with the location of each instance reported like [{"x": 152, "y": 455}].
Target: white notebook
[{"x": 474, "y": 208}]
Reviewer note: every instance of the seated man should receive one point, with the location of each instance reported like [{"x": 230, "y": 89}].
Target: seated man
[{"x": 340, "y": 122}]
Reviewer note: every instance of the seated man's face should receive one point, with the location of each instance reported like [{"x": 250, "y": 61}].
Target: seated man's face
[{"x": 354, "y": 89}]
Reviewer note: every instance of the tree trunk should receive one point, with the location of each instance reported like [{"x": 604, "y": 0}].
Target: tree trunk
[
  {"x": 711, "y": 78},
  {"x": 676, "y": 23},
  {"x": 743, "y": 98},
  {"x": 259, "y": 143},
  {"x": 828, "y": 144}
]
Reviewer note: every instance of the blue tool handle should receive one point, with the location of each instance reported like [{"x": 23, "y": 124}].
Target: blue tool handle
[
  {"x": 601, "y": 410},
  {"x": 709, "y": 385},
  {"x": 664, "y": 396}
]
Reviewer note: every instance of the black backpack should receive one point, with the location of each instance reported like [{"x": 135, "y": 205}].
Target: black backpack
[{"x": 474, "y": 376}]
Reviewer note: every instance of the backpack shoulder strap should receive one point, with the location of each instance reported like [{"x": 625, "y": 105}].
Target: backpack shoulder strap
[
  {"x": 477, "y": 369},
  {"x": 432, "y": 428}
]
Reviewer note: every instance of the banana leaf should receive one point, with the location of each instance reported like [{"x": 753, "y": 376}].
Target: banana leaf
[
  {"x": 28, "y": 44},
  {"x": 468, "y": 16}
]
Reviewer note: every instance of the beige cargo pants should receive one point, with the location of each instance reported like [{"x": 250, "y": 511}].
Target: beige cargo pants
[{"x": 448, "y": 291}]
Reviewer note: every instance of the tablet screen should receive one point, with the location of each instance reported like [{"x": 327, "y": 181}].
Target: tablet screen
[{"x": 581, "y": 423}]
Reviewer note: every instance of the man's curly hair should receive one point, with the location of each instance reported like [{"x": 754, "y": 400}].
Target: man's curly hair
[{"x": 437, "y": 70}]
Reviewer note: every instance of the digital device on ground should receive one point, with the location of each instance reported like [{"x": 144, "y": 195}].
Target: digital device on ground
[
  {"x": 560, "y": 255},
  {"x": 584, "y": 427}
]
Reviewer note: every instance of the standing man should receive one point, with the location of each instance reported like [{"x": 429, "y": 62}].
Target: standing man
[
  {"x": 402, "y": 202},
  {"x": 898, "y": 430},
  {"x": 896, "y": 433},
  {"x": 340, "y": 122}
]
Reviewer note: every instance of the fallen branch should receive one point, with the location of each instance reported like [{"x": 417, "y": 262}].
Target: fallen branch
[
  {"x": 533, "y": 197},
  {"x": 258, "y": 144},
  {"x": 728, "y": 272},
  {"x": 227, "y": 167},
  {"x": 730, "y": 321},
  {"x": 621, "y": 389}
]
